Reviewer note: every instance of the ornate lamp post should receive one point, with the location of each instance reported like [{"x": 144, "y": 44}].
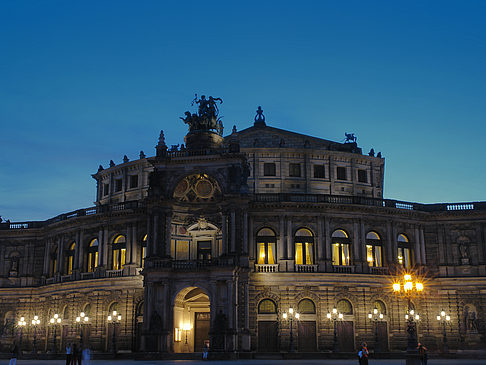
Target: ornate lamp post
[
  {"x": 115, "y": 319},
  {"x": 375, "y": 317},
  {"x": 290, "y": 316},
  {"x": 35, "y": 323},
  {"x": 186, "y": 327},
  {"x": 334, "y": 316},
  {"x": 54, "y": 321},
  {"x": 445, "y": 320},
  {"x": 21, "y": 324},
  {"x": 81, "y": 320},
  {"x": 410, "y": 287}
]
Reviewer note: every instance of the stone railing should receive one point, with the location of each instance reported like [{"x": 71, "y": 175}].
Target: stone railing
[
  {"x": 87, "y": 275},
  {"x": 114, "y": 273},
  {"x": 379, "y": 270},
  {"x": 306, "y": 268},
  {"x": 266, "y": 267},
  {"x": 360, "y": 200},
  {"x": 343, "y": 269},
  {"x": 189, "y": 265}
]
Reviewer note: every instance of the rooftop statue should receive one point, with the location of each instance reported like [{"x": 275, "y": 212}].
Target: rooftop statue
[
  {"x": 350, "y": 138},
  {"x": 206, "y": 118}
]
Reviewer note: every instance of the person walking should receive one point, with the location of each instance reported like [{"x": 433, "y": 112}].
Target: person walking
[
  {"x": 15, "y": 354},
  {"x": 86, "y": 356},
  {"x": 68, "y": 354},
  {"x": 363, "y": 354},
  {"x": 422, "y": 350}
]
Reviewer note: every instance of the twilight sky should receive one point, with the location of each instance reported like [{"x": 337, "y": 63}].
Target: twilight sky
[{"x": 85, "y": 82}]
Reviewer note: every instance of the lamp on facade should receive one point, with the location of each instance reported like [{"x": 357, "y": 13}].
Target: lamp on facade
[
  {"x": 81, "y": 321},
  {"x": 375, "y": 316},
  {"x": 186, "y": 327},
  {"x": 445, "y": 319},
  {"x": 291, "y": 316},
  {"x": 21, "y": 324},
  {"x": 333, "y": 317},
  {"x": 35, "y": 322},
  {"x": 410, "y": 287},
  {"x": 115, "y": 319},
  {"x": 54, "y": 321}
]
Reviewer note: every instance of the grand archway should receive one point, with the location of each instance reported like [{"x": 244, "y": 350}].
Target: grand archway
[{"x": 191, "y": 320}]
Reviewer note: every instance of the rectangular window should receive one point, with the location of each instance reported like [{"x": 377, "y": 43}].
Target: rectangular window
[
  {"x": 144, "y": 254},
  {"x": 119, "y": 258},
  {"x": 92, "y": 261},
  {"x": 204, "y": 250},
  {"x": 269, "y": 169},
  {"x": 182, "y": 250},
  {"x": 133, "y": 181},
  {"x": 70, "y": 265},
  {"x": 335, "y": 254},
  {"x": 309, "y": 253},
  {"x": 118, "y": 185},
  {"x": 294, "y": 169},
  {"x": 266, "y": 253},
  {"x": 341, "y": 173},
  {"x": 373, "y": 255},
  {"x": 298, "y": 253},
  {"x": 319, "y": 172},
  {"x": 345, "y": 254},
  {"x": 404, "y": 257},
  {"x": 362, "y": 176},
  {"x": 106, "y": 189}
]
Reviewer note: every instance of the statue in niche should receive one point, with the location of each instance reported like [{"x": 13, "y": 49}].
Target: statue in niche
[{"x": 471, "y": 322}]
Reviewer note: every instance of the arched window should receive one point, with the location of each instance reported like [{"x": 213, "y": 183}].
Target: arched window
[
  {"x": 304, "y": 247},
  {"x": 70, "y": 258},
  {"x": 267, "y": 306},
  {"x": 266, "y": 243},
  {"x": 404, "y": 251},
  {"x": 93, "y": 255},
  {"x": 112, "y": 308},
  {"x": 66, "y": 314},
  {"x": 119, "y": 252},
  {"x": 340, "y": 248},
  {"x": 144, "y": 251},
  {"x": 87, "y": 310},
  {"x": 380, "y": 307},
  {"x": 53, "y": 261},
  {"x": 306, "y": 306},
  {"x": 344, "y": 307},
  {"x": 374, "y": 249}
]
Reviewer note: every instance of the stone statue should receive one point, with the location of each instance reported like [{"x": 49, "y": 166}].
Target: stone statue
[
  {"x": 463, "y": 251},
  {"x": 142, "y": 155},
  {"x": 378, "y": 155},
  {"x": 206, "y": 118},
  {"x": 259, "y": 117},
  {"x": 125, "y": 159},
  {"x": 112, "y": 163},
  {"x": 372, "y": 153},
  {"x": 350, "y": 138}
]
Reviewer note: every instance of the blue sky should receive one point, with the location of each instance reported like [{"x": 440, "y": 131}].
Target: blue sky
[{"x": 82, "y": 83}]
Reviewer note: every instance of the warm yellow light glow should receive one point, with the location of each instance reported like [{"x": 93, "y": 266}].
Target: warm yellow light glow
[
  {"x": 56, "y": 316},
  {"x": 59, "y": 320},
  {"x": 448, "y": 318},
  {"x": 417, "y": 317},
  {"x": 407, "y": 277},
  {"x": 340, "y": 316},
  {"x": 438, "y": 318},
  {"x": 109, "y": 318},
  {"x": 51, "y": 320},
  {"x": 78, "y": 319},
  {"x": 334, "y": 310},
  {"x": 297, "y": 315},
  {"x": 82, "y": 314},
  {"x": 370, "y": 315},
  {"x": 284, "y": 316},
  {"x": 381, "y": 315},
  {"x": 408, "y": 286},
  {"x": 406, "y": 316},
  {"x": 186, "y": 327},
  {"x": 396, "y": 287},
  {"x": 412, "y": 312},
  {"x": 329, "y": 315},
  {"x": 114, "y": 313},
  {"x": 36, "y": 317},
  {"x": 419, "y": 286},
  {"x": 119, "y": 317},
  {"x": 442, "y": 313},
  {"x": 22, "y": 319},
  {"x": 291, "y": 310},
  {"x": 375, "y": 311},
  {"x": 177, "y": 334}
]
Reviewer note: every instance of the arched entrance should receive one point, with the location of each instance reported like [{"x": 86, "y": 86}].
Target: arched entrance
[{"x": 191, "y": 320}]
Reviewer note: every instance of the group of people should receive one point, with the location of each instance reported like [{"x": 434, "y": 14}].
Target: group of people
[
  {"x": 363, "y": 354},
  {"x": 77, "y": 356}
]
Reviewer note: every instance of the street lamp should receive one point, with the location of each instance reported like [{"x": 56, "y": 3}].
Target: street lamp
[
  {"x": 186, "y": 327},
  {"x": 410, "y": 287},
  {"x": 445, "y": 320},
  {"x": 35, "y": 323},
  {"x": 81, "y": 320},
  {"x": 114, "y": 318},
  {"x": 21, "y": 324},
  {"x": 290, "y": 316},
  {"x": 335, "y": 316},
  {"x": 54, "y": 321},
  {"x": 376, "y": 317}
]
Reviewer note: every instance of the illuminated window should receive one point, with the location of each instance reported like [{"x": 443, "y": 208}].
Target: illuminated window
[
  {"x": 70, "y": 258},
  {"x": 344, "y": 307},
  {"x": 380, "y": 306},
  {"x": 144, "y": 251},
  {"x": 319, "y": 172},
  {"x": 119, "y": 252},
  {"x": 267, "y": 306},
  {"x": 306, "y": 306},
  {"x": 93, "y": 255},
  {"x": 294, "y": 169},
  {"x": 404, "y": 251},
  {"x": 340, "y": 248},
  {"x": 341, "y": 173},
  {"x": 304, "y": 247},
  {"x": 269, "y": 169},
  {"x": 266, "y": 245},
  {"x": 373, "y": 249}
]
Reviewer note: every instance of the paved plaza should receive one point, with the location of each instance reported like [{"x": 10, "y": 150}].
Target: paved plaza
[{"x": 251, "y": 362}]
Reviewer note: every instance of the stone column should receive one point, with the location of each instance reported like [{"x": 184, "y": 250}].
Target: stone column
[
  {"x": 357, "y": 252},
  {"x": 394, "y": 243},
  {"x": 47, "y": 250},
  {"x": 321, "y": 249},
  {"x": 134, "y": 246},
  {"x": 327, "y": 240},
  {"x": 168, "y": 235},
  {"x": 389, "y": 243},
  {"x": 100, "y": 247},
  {"x": 364, "y": 255},
  {"x": 77, "y": 256},
  {"x": 106, "y": 250},
  {"x": 224, "y": 233},
  {"x": 154, "y": 242},
  {"x": 245, "y": 233},
  {"x": 422, "y": 246},
  {"x": 252, "y": 242},
  {"x": 289, "y": 240},
  {"x": 418, "y": 258},
  {"x": 60, "y": 254},
  {"x": 282, "y": 242},
  {"x": 233, "y": 231}
]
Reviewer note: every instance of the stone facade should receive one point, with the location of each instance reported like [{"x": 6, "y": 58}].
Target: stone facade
[{"x": 216, "y": 244}]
